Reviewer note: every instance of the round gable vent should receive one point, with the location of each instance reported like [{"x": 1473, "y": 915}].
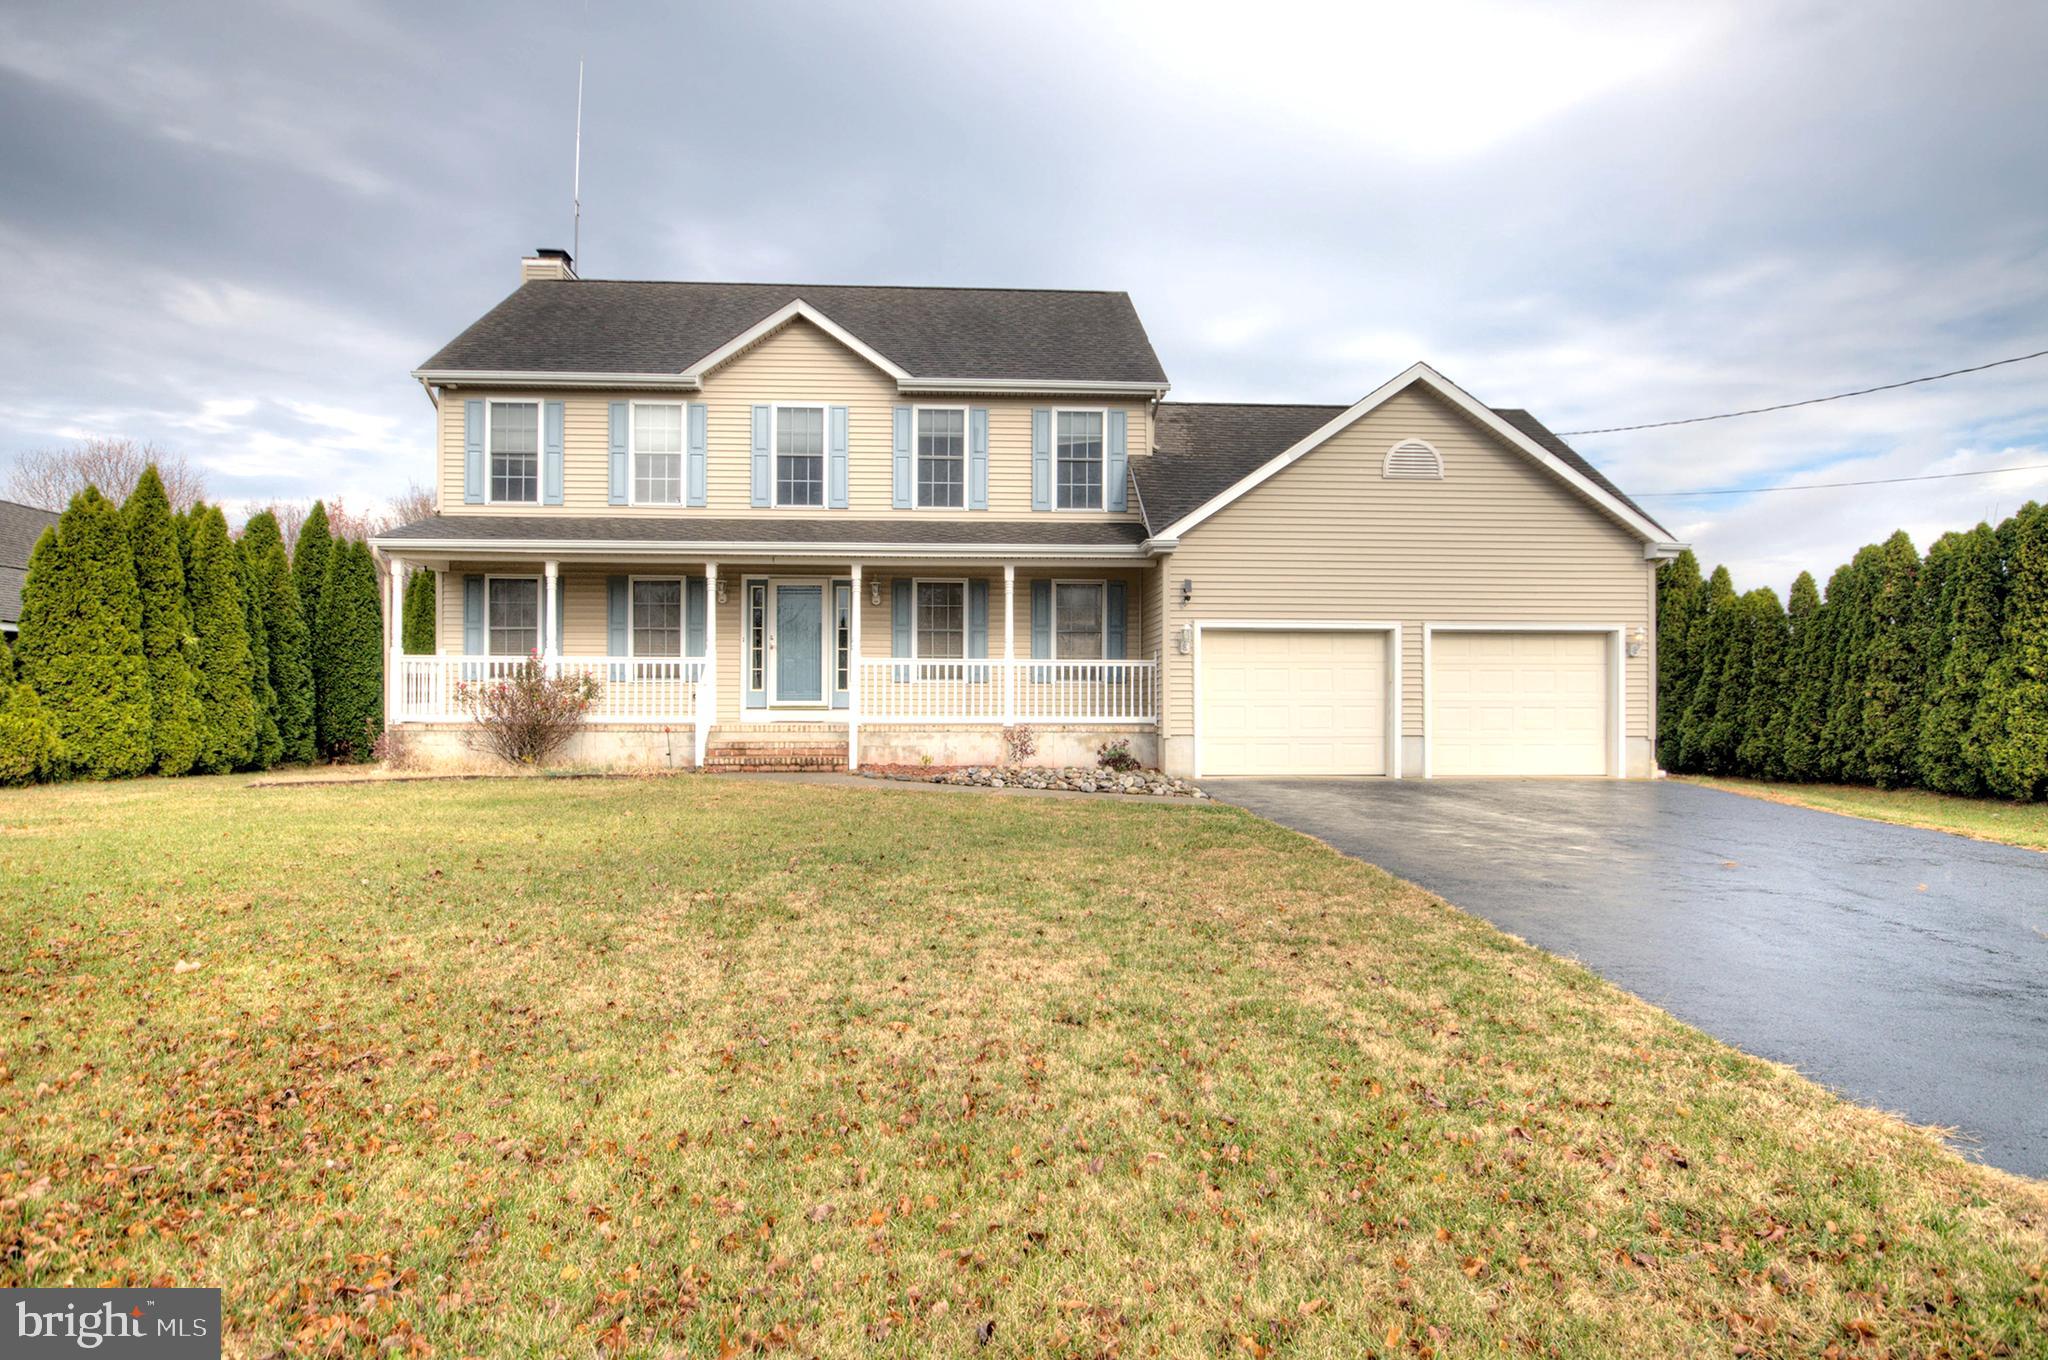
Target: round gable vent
[{"x": 1413, "y": 460}]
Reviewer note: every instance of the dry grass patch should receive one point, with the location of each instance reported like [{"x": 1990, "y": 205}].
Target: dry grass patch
[
  {"x": 1984, "y": 819},
  {"x": 703, "y": 1066}
]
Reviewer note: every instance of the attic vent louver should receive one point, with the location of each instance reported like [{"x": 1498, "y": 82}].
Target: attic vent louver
[{"x": 1412, "y": 460}]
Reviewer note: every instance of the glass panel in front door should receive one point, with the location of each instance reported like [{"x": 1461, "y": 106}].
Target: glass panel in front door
[{"x": 799, "y": 644}]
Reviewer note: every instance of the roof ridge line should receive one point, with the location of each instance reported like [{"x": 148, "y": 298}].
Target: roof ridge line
[{"x": 900, "y": 287}]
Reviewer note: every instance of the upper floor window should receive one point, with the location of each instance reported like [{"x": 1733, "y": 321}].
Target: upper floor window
[
  {"x": 942, "y": 458},
  {"x": 657, "y": 453},
  {"x": 657, "y": 617},
  {"x": 1077, "y": 460},
  {"x": 514, "y": 451},
  {"x": 512, "y": 614},
  {"x": 799, "y": 455},
  {"x": 939, "y": 623}
]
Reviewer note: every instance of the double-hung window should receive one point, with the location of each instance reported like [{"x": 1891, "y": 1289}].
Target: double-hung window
[
  {"x": 514, "y": 451},
  {"x": 1077, "y": 460},
  {"x": 942, "y": 458},
  {"x": 799, "y": 455},
  {"x": 657, "y": 453},
  {"x": 657, "y": 617},
  {"x": 512, "y": 615},
  {"x": 939, "y": 621},
  {"x": 1078, "y": 623}
]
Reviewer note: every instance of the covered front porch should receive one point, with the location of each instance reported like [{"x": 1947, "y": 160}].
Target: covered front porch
[{"x": 901, "y": 659}]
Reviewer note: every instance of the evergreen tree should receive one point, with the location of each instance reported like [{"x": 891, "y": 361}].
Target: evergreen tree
[
  {"x": 1713, "y": 747},
  {"x": 286, "y": 643},
  {"x": 174, "y": 716},
  {"x": 220, "y": 623},
  {"x": 81, "y": 640},
  {"x": 419, "y": 613},
  {"x": 1707, "y": 645},
  {"x": 1964, "y": 640},
  {"x": 1680, "y": 596},
  {"x": 1760, "y": 738},
  {"x": 349, "y": 654},
  {"x": 269, "y": 748},
  {"x": 29, "y": 747},
  {"x": 2014, "y": 708},
  {"x": 1894, "y": 676},
  {"x": 1848, "y": 604},
  {"x": 311, "y": 557},
  {"x": 1806, "y": 681}
]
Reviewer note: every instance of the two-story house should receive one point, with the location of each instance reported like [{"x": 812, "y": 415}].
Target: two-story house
[{"x": 873, "y": 525}]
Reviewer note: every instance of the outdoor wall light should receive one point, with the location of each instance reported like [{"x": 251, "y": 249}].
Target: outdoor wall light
[
  {"x": 1187, "y": 589},
  {"x": 875, "y": 591},
  {"x": 1636, "y": 641},
  {"x": 721, "y": 592}
]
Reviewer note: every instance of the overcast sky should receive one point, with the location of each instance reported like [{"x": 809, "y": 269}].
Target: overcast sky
[{"x": 235, "y": 233}]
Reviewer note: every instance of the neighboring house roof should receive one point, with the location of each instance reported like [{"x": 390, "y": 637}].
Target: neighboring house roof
[
  {"x": 1209, "y": 453},
  {"x": 459, "y": 532},
  {"x": 591, "y": 327},
  {"x": 20, "y": 527}
]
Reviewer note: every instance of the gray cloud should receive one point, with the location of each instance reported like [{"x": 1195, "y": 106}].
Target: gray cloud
[{"x": 235, "y": 230}]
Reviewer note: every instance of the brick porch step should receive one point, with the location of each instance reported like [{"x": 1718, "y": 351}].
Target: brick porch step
[{"x": 777, "y": 747}]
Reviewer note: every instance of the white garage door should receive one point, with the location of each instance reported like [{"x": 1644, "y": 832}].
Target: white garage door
[
  {"x": 1312, "y": 702},
  {"x": 1518, "y": 704}
]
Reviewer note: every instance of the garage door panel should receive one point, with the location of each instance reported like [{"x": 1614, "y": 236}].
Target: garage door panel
[
  {"x": 1309, "y": 701},
  {"x": 1518, "y": 704}
]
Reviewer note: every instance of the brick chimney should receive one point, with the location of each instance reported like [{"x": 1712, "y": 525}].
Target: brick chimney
[{"x": 547, "y": 264}]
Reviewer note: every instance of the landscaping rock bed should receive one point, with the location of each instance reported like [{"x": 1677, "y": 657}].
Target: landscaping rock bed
[{"x": 1073, "y": 779}]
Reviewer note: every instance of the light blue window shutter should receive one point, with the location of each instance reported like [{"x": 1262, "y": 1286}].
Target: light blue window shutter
[
  {"x": 977, "y": 626},
  {"x": 905, "y": 487},
  {"x": 763, "y": 483},
  {"x": 621, "y": 475},
  {"x": 473, "y": 451},
  {"x": 1041, "y": 626},
  {"x": 561, "y": 612},
  {"x": 695, "y": 597},
  {"x": 835, "y": 458},
  {"x": 472, "y": 616},
  {"x": 1118, "y": 464},
  {"x": 1113, "y": 607},
  {"x": 899, "y": 622},
  {"x": 1041, "y": 461},
  {"x": 977, "y": 458},
  {"x": 552, "y": 421},
  {"x": 697, "y": 476},
  {"x": 617, "y": 616}
]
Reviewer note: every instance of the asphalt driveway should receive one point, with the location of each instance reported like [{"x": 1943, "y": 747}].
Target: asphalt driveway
[{"x": 1907, "y": 969}]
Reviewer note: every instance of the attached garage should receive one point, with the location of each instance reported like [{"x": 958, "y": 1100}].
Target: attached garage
[
  {"x": 1279, "y": 701},
  {"x": 1520, "y": 703}
]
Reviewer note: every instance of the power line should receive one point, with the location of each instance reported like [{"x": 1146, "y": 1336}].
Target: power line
[
  {"x": 1810, "y": 401},
  {"x": 1829, "y": 486}
]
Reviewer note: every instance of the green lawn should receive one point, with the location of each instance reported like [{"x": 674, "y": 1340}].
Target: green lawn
[
  {"x": 1984, "y": 819},
  {"x": 698, "y": 1066}
]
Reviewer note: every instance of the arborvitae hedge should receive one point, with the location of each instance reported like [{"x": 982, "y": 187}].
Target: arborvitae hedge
[
  {"x": 220, "y": 620},
  {"x": 348, "y": 658},
  {"x": 419, "y": 614},
  {"x": 1931, "y": 673},
  {"x": 174, "y": 716},
  {"x": 29, "y": 746},
  {"x": 81, "y": 640},
  {"x": 269, "y": 742},
  {"x": 286, "y": 642}
]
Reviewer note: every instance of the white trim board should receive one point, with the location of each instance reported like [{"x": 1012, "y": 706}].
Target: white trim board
[
  {"x": 797, "y": 309},
  {"x": 1617, "y": 680},
  {"x": 1391, "y": 629},
  {"x": 1422, "y": 373}
]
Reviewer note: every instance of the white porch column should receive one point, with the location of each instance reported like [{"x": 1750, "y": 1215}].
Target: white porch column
[
  {"x": 394, "y": 637},
  {"x": 853, "y": 676},
  {"x": 706, "y": 705},
  {"x": 1009, "y": 643},
  {"x": 550, "y": 570}
]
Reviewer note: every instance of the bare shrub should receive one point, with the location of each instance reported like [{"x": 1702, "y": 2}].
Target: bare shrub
[
  {"x": 1116, "y": 755},
  {"x": 527, "y": 716},
  {"x": 1019, "y": 745},
  {"x": 51, "y": 477}
]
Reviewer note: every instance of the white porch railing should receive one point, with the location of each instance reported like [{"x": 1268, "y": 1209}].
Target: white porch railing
[
  {"x": 629, "y": 689},
  {"x": 903, "y": 690}
]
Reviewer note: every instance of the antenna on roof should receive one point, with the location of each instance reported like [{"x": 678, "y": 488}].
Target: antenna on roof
[{"x": 576, "y": 184}]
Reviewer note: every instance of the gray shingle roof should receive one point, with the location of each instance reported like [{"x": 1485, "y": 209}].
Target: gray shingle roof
[
  {"x": 20, "y": 527},
  {"x": 621, "y": 326},
  {"x": 769, "y": 532},
  {"x": 1204, "y": 448}
]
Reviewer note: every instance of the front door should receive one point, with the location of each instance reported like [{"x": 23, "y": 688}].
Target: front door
[{"x": 798, "y": 645}]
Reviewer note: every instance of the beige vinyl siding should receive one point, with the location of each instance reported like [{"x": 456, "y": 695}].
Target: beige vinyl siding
[
  {"x": 798, "y": 364},
  {"x": 1498, "y": 540}
]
